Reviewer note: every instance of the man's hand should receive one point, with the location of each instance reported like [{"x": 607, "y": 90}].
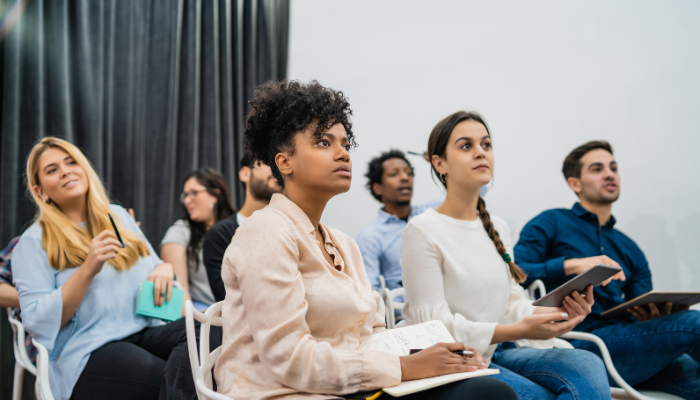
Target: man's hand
[
  {"x": 577, "y": 266},
  {"x": 642, "y": 314}
]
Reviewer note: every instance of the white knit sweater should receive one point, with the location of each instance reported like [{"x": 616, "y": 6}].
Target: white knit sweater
[{"x": 452, "y": 272}]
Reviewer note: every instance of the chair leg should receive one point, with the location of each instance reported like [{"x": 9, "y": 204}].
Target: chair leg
[{"x": 17, "y": 384}]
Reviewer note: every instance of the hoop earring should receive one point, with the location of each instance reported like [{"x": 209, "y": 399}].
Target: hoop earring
[
  {"x": 442, "y": 178},
  {"x": 46, "y": 200}
]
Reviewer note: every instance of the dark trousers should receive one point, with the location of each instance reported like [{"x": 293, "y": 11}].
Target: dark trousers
[
  {"x": 151, "y": 364},
  {"x": 483, "y": 388}
]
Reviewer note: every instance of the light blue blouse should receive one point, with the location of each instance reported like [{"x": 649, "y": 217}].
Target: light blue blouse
[{"x": 107, "y": 312}]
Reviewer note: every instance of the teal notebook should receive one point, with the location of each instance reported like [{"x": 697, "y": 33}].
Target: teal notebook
[{"x": 169, "y": 311}]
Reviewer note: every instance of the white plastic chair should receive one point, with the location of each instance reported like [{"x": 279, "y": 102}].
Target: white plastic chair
[
  {"x": 382, "y": 307},
  {"x": 22, "y": 360},
  {"x": 625, "y": 391},
  {"x": 42, "y": 386},
  {"x": 390, "y": 305},
  {"x": 204, "y": 361},
  {"x": 382, "y": 283}
]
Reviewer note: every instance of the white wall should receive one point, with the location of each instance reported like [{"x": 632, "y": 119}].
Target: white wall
[{"x": 548, "y": 76}]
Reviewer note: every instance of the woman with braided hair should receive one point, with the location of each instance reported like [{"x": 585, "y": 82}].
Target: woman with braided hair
[{"x": 457, "y": 268}]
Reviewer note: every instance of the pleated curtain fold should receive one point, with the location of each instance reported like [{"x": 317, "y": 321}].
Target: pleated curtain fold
[{"x": 148, "y": 89}]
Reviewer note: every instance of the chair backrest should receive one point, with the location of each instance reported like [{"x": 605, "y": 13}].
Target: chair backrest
[
  {"x": 391, "y": 305},
  {"x": 534, "y": 287},
  {"x": 203, "y": 362},
  {"x": 18, "y": 339}
]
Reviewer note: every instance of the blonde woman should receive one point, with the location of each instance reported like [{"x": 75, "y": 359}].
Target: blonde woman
[{"x": 78, "y": 286}]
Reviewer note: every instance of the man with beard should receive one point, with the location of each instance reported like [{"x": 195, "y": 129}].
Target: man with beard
[
  {"x": 654, "y": 348},
  {"x": 390, "y": 180},
  {"x": 259, "y": 185}
]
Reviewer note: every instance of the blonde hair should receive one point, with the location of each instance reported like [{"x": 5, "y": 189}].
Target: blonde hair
[{"x": 65, "y": 242}]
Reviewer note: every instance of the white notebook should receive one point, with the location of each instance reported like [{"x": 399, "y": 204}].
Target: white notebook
[{"x": 400, "y": 341}]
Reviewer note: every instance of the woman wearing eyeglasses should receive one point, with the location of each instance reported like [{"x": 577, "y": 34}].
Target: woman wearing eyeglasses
[{"x": 206, "y": 201}]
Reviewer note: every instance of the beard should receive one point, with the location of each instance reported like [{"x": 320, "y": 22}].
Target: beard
[
  {"x": 403, "y": 203},
  {"x": 609, "y": 198},
  {"x": 599, "y": 196},
  {"x": 260, "y": 189}
]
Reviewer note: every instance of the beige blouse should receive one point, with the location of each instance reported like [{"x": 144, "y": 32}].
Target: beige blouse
[{"x": 293, "y": 323}]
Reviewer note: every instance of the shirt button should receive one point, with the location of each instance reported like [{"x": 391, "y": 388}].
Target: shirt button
[
  {"x": 602, "y": 248},
  {"x": 359, "y": 294},
  {"x": 360, "y": 323}
]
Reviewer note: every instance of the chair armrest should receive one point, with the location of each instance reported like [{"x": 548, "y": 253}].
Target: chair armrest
[
  {"x": 562, "y": 344},
  {"x": 607, "y": 360},
  {"x": 382, "y": 307},
  {"x": 18, "y": 340},
  {"x": 43, "y": 388}
]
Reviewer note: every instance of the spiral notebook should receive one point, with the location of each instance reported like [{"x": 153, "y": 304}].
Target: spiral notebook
[
  {"x": 169, "y": 311},
  {"x": 400, "y": 341}
]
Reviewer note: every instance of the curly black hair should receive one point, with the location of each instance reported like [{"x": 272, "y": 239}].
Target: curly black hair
[
  {"x": 375, "y": 169},
  {"x": 281, "y": 109}
]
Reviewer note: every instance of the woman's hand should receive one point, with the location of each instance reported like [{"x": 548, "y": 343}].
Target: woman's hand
[
  {"x": 103, "y": 247},
  {"x": 545, "y": 326},
  {"x": 162, "y": 278},
  {"x": 575, "y": 304},
  {"x": 439, "y": 360}
]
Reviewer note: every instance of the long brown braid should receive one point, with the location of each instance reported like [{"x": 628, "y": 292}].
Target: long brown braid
[
  {"x": 437, "y": 145},
  {"x": 515, "y": 271}
]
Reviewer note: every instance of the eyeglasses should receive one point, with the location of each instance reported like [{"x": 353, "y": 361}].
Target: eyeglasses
[{"x": 191, "y": 193}]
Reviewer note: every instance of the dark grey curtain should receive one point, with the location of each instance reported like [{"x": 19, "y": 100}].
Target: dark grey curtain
[{"x": 148, "y": 89}]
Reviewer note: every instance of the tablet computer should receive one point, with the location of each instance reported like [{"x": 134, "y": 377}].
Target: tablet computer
[
  {"x": 595, "y": 275},
  {"x": 679, "y": 299}
]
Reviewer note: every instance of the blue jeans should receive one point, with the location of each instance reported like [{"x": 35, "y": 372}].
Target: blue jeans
[
  {"x": 540, "y": 374},
  {"x": 661, "y": 354}
]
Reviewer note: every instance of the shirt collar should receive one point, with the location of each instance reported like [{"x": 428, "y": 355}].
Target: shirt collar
[
  {"x": 385, "y": 217},
  {"x": 585, "y": 214},
  {"x": 290, "y": 209}
]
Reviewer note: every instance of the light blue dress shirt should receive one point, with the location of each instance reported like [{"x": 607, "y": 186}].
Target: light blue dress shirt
[
  {"x": 380, "y": 245},
  {"x": 107, "y": 312}
]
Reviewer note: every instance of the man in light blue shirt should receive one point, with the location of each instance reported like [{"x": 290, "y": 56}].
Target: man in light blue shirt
[{"x": 390, "y": 180}]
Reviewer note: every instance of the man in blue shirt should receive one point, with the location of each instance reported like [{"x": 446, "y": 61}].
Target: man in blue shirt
[
  {"x": 390, "y": 180},
  {"x": 655, "y": 348}
]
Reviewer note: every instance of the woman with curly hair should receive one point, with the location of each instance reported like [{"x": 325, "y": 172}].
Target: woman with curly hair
[{"x": 299, "y": 306}]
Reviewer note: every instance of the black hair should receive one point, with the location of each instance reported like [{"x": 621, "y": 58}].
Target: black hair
[
  {"x": 246, "y": 161},
  {"x": 375, "y": 170},
  {"x": 572, "y": 163},
  {"x": 281, "y": 109},
  {"x": 437, "y": 145},
  {"x": 215, "y": 184}
]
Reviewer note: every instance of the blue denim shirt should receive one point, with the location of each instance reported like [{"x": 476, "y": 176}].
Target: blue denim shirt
[
  {"x": 559, "y": 234},
  {"x": 380, "y": 245}
]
